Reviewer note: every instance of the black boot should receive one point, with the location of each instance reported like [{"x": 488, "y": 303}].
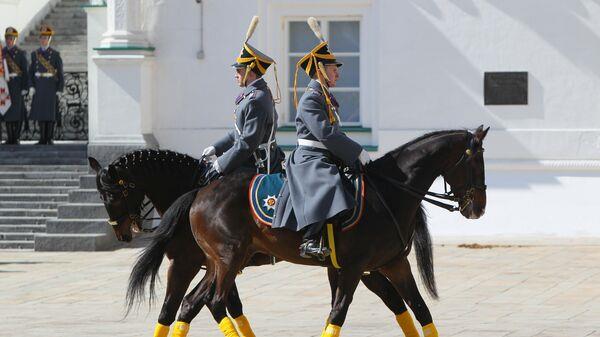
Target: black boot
[
  {"x": 312, "y": 243},
  {"x": 42, "y": 127},
  {"x": 50, "y": 133},
  {"x": 12, "y": 129}
]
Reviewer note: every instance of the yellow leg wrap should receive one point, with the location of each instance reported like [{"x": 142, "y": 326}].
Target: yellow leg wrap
[
  {"x": 430, "y": 331},
  {"x": 407, "y": 325},
  {"x": 161, "y": 330},
  {"x": 244, "y": 326},
  {"x": 331, "y": 331},
  {"x": 227, "y": 328},
  {"x": 181, "y": 329}
]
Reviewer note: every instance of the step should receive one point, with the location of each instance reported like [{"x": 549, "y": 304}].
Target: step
[
  {"x": 32, "y": 42},
  {"x": 28, "y": 204},
  {"x": 78, "y": 226},
  {"x": 36, "y": 189},
  {"x": 39, "y": 182},
  {"x": 87, "y": 182},
  {"x": 17, "y": 212},
  {"x": 67, "y": 13},
  {"x": 48, "y": 152},
  {"x": 82, "y": 211},
  {"x": 43, "y": 161},
  {"x": 76, "y": 67},
  {"x": 44, "y": 148},
  {"x": 77, "y": 242},
  {"x": 35, "y": 197},
  {"x": 17, "y": 244},
  {"x": 22, "y": 228},
  {"x": 16, "y": 236},
  {"x": 44, "y": 168},
  {"x": 22, "y": 220},
  {"x": 84, "y": 196},
  {"x": 40, "y": 175}
]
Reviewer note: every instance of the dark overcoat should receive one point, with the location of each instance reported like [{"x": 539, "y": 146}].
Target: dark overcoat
[
  {"x": 47, "y": 82},
  {"x": 18, "y": 82}
]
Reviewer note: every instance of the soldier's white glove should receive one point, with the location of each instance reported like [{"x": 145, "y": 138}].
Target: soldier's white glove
[
  {"x": 31, "y": 91},
  {"x": 364, "y": 157},
  {"x": 24, "y": 92},
  {"x": 58, "y": 94},
  {"x": 209, "y": 151}
]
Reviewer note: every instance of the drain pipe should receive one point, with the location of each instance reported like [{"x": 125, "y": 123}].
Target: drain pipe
[{"x": 200, "y": 54}]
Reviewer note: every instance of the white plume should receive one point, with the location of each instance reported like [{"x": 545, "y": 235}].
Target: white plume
[
  {"x": 252, "y": 27},
  {"x": 314, "y": 25}
]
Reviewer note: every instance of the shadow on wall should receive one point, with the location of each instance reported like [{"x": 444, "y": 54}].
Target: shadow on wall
[
  {"x": 450, "y": 72},
  {"x": 563, "y": 27}
]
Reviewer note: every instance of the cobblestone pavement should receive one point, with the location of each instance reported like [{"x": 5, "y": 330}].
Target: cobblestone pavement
[{"x": 532, "y": 290}]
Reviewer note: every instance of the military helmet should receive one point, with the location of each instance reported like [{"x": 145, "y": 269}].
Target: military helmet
[
  {"x": 46, "y": 31},
  {"x": 11, "y": 32},
  {"x": 250, "y": 57},
  {"x": 319, "y": 54}
]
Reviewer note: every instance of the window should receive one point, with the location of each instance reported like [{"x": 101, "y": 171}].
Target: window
[{"x": 344, "y": 41}]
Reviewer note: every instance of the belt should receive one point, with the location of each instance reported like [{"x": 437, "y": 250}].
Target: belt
[
  {"x": 11, "y": 75},
  {"x": 44, "y": 74},
  {"x": 311, "y": 143}
]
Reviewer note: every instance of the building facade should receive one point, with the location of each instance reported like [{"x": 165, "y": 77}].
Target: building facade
[{"x": 160, "y": 76}]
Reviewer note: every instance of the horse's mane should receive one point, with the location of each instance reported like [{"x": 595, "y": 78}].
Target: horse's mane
[
  {"x": 148, "y": 162},
  {"x": 408, "y": 145}
]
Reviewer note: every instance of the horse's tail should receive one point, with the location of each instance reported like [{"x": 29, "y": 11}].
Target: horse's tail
[
  {"x": 424, "y": 251},
  {"x": 148, "y": 262}
]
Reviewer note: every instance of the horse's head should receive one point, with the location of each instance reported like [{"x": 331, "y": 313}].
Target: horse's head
[
  {"x": 121, "y": 197},
  {"x": 467, "y": 176}
]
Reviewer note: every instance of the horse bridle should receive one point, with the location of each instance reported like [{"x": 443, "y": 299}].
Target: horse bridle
[
  {"x": 133, "y": 212},
  {"x": 469, "y": 187}
]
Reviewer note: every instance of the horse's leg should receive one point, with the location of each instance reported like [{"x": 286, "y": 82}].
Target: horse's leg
[
  {"x": 399, "y": 274},
  {"x": 382, "y": 287},
  {"x": 347, "y": 281},
  {"x": 234, "y": 307},
  {"x": 179, "y": 276},
  {"x": 192, "y": 303}
]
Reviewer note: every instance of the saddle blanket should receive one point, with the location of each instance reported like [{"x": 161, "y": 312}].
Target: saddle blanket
[{"x": 264, "y": 191}]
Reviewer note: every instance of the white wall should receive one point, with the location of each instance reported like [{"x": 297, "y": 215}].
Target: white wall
[
  {"x": 23, "y": 14},
  {"x": 422, "y": 70}
]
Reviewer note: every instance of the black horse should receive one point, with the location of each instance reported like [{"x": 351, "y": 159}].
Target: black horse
[
  {"x": 225, "y": 230},
  {"x": 162, "y": 176}
]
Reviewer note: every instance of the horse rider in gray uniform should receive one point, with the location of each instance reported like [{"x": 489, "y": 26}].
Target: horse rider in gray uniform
[
  {"x": 46, "y": 84},
  {"x": 18, "y": 82},
  {"x": 316, "y": 191},
  {"x": 252, "y": 143}
]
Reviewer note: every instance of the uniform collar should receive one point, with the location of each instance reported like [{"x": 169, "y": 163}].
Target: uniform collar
[{"x": 256, "y": 84}]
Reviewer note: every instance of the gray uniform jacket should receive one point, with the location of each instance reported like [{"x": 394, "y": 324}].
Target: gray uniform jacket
[
  {"x": 255, "y": 119},
  {"x": 18, "y": 82},
  {"x": 315, "y": 190},
  {"x": 43, "y": 106}
]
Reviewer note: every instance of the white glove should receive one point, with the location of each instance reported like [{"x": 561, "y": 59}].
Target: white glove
[
  {"x": 209, "y": 151},
  {"x": 364, "y": 157},
  {"x": 24, "y": 92},
  {"x": 31, "y": 91},
  {"x": 216, "y": 166},
  {"x": 58, "y": 94}
]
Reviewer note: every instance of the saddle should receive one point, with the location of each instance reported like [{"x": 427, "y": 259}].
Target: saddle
[{"x": 264, "y": 191}]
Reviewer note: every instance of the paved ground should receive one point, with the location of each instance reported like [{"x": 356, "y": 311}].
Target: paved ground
[{"x": 538, "y": 290}]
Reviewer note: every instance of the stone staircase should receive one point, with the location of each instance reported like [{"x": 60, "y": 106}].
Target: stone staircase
[
  {"x": 58, "y": 154},
  {"x": 80, "y": 223},
  {"x": 29, "y": 195},
  {"x": 69, "y": 21}
]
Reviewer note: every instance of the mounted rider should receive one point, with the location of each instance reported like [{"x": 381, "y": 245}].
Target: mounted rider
[
  {"x": 252, "y": 143},
  {"x": 316, "y": 190},
  {"x": 18, "y": 84}
]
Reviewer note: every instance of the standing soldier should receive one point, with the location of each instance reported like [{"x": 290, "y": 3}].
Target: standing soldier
[
  {"x": 46, "y": 84},
  {"x": 316, "y": 190},
  {"x": 252, "y": 143},
  {"x": 17, "y": 84}
]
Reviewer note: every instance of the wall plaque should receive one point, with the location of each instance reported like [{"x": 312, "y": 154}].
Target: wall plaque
[{"x": 505, "y": 88}]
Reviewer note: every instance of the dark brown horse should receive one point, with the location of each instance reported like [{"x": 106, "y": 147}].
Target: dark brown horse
[
  {"x": 162, "y": 176},
  {"x": 223, "y": 226}
]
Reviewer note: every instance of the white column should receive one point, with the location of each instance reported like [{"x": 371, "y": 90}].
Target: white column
[{"x": 124, "y": 25}]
